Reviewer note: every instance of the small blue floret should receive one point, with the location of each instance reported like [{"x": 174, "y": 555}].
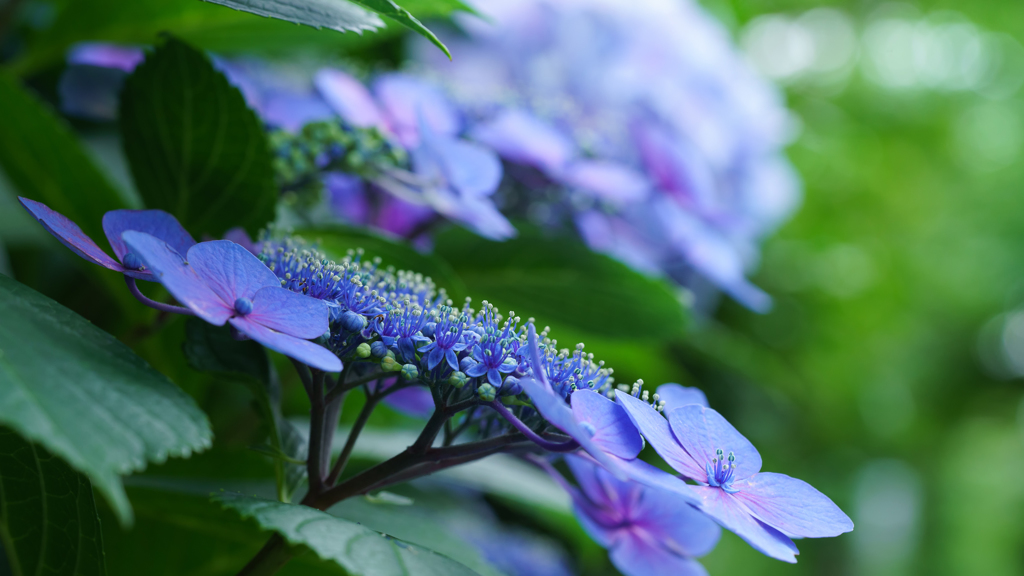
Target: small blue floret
[{"x": 131, "y": 261}]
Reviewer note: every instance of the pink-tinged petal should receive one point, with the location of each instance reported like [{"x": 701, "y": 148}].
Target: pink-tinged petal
[
  {"x": 156, "y": 223},
  {"x": 593, "y": 520},
  {"x": 638, "y": 553},
  {"x": 614, "y": 432},
  {"x": 518, "y": 136},
  {"x": 792, "y": 506},
  {"x": 239, "y": 236},
  {"x": 69, "y": 234},
  {"x": 230, "y": 270},
  {"x": 678, "y": 526},
  {"x": 677, "y": 395},
  {"x": 348, "y": 98},
  {"x": 312, "y": 355},
  {"x": 405, "y": 99},
  {"x": 106, "y": 55},
  {"x": 607, "y": 181},
  {"x": 290, "y": 312},
  {"x": 656, "y": 430},
  {"x": 733, "y": 516},
  {"x": 702, "y": 431},
  {"x": 180, "y": 279}
]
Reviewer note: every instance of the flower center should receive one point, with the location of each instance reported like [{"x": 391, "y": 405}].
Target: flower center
[
  {"x": 131, "y": 261},
  {"x": 243, "y": 306},
  {"x": 721, "y": 470}
]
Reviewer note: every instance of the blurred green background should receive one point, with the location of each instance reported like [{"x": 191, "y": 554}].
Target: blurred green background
[{"x": 888, "y": 374}]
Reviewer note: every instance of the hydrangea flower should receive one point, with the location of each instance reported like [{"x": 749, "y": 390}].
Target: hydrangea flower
[
  {"x": 157, "y": 223},
  {"x": 647, "y": 531},
  {"x": 638, "y": 123},
  {"x": 222, "y": 282},
  {"x": 764, "y": 508}
]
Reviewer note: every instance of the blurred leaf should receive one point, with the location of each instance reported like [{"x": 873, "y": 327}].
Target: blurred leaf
[
  {"x": 404, "y": 17},
  {"x": 48, "y": 520},
  {"x": 194, "y": 147},
  {"x": 359, "y": 550},
  {"x": 47, "y": 163},
  {"x": 339, "y": 15},
  {"x": 181, "y": 532},
  {"x": 86, "y": 397},
  {"x": 559, "y": 280},
  {"x": 212, "y": 349},
  {"x": 336, "y": 240},
  {"x": 420, "y": 526}
]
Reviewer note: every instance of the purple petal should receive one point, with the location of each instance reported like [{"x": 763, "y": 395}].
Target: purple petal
[
  {"x": 405, "y": 100},
  {"x": 494, "y": 378},
  {"x": 533, "y": 349},
  {"x": 292, "y": 111},
  {"x": 654, "y": 477},
  {"x": 156, "y": 223},
  {"x": 483, "y": 217},
  {"x": 597, "y": 489},
  {"x": 469, "y": 168},
  {"x": 310, "y": 354},
  {"x": 656, "y": 430},
  {"x": 639, "y": 553},
  {"x": 348, "y": 97},
  {"x": 701, "y": 431},
  {"x": 453, "y": 360},
  {"x": 180, "y": 279},
  {"x": 607, "y": 181},
  {"x": 435, "y": 358},
  {"x": 614, "y": 432},
  {"x": 594, "y": 521},
  {"x": 231, "y": 271},
  {"x": 476, "y": 370},
  {"x": 106, "y": 55},
  {"x": 792, "y": 506},
  {"x": 676, "y": 166},
  {"x": 730, "y": 513},
  {"x": 518, "y": 136},
  {"x": 289, "y": 312},
  {"x": 676, "y": 524},
  {"x": 415, "y": 401},
  {"x": 69, "y": 234},
  {"x": 348, "y": 196},
  {"x": 676, "y": 395}
]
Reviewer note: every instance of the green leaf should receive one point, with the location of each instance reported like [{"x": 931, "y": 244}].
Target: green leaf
[
  {"x": 194, "y": 148},
  {"x": 86, "y": 397},
  {"x": 359, "y": 550},
  {"x": 47, "y": 163},
  {"x": 339, "y": 15},
  {"x": 336, "y": 240},
  {"x": 211, "y": 348},
  {"x": 416, "y": 524},
  {"x": 48, "y": 520},
  {"x": 404, "y": 17},
  {"x": 560, "y": 281}
]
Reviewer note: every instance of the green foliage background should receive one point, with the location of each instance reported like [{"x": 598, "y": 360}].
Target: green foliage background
[{"x": 868, "y": 373}]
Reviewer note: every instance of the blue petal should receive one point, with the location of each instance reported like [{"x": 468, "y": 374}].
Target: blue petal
[
  {"x": 732, "y": 515},
  {"x": 406, "y": 349},
  {"x": 656, "y": 430},
  {"x": 435, "y": 358},
  {"x": 156, "y": 223},
  {"x": 494, "y": 377},
  {"x": 613, "y": 430},
  {"x": 476, "y": 370},
  {"x": 70, "y": 234},
  {"x": 701, "y": 431},
  {"x": 677, "y": 395},
  {"x": 518, "y": 136},
  {"x": 289, "y": 312},
  {"x": 637, "y": 553},
  {"x": 792, "y": 506},
  {"x": 229, "y": 270},
  {"x": 348, "y": 97},
  {"x": 452, "y": 359},
  {"x": 304, "y": 351}
]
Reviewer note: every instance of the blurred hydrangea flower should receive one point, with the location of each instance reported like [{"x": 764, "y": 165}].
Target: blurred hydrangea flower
[{"x": 662, "y": 147}]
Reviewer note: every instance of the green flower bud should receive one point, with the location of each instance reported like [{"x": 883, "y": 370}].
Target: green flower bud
[
  {"x": 458, "y": 379},
  {"x": 388, "y": 364},
  {"x": 486, "y": 392},
  {"x": 409, "y": 372},
  {"x": 363, "y": 350}
]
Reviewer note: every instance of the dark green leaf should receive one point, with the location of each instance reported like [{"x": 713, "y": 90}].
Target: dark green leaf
[
  {"x": 86, "y": 397},
  {"x": 359, "y": 550},
  {"x": 194, "y": 147},
  {"x": 47, "y": 163},
  {"x": 404, "y": 17},
  {"x": 211, "y": 348},
  {"x": 415, "y": 524},
  {"x": 339, "y": 15},
  {"x": 335, "y": 241},
  {"x": 560, "y": 281},
  {"x": 48, "y": 520}
]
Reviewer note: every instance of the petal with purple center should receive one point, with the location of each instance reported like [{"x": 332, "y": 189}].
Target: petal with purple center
[
  {"x": 289, "y": 312},
  {"x": 180, "y": 279},
  {"x": 638, "y": 553},
  {"x": 792, "y": 506},
  {"x": 310, "y": 354},
  {"x": 230, "y": 270}
]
